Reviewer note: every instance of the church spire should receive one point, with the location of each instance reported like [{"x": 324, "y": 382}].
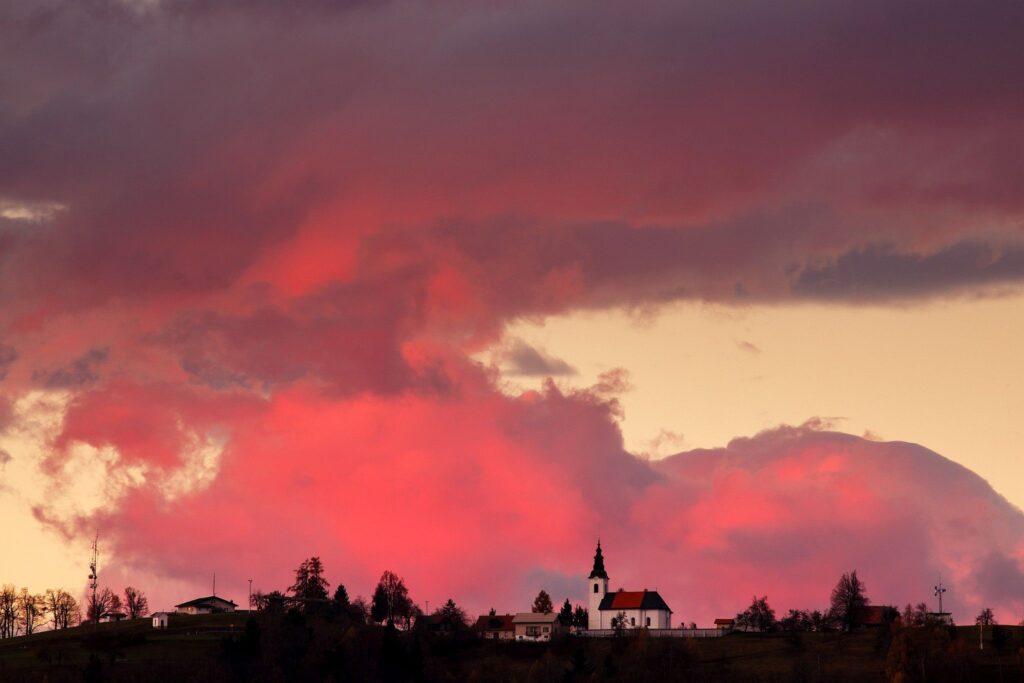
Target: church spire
[{"x": 598, "y": 571}]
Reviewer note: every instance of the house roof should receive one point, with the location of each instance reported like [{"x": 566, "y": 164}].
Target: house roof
[
  {"x": 111, "y": 613},
  {"x": 534, "y": 618},
  {"x": 199, "y": 602},
  {"x": 724, "y": 622},
  {"x": 499, "y": 622},
  {"x": 645, "y": 599}
]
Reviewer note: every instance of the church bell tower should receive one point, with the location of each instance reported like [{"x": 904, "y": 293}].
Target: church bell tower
[{"x": 597, "y": 587}]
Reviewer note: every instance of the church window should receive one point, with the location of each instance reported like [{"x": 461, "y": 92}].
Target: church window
[
  {"x": 648, "y": 621},
  {"x": 632, "y": 621},
  {"x": 595, "y": 587}
]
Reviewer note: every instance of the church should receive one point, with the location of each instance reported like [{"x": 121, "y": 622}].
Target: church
[{"x": 641, "y": 609}]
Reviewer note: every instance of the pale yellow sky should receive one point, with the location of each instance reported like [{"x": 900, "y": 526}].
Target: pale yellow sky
[{"x": 947, "y": 375}]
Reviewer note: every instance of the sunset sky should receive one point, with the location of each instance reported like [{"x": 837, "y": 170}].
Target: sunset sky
[{"x": 452, "y": 288}]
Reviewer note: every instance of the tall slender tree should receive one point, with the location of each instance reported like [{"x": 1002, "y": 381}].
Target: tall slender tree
[{"x": 310, "y": 587}]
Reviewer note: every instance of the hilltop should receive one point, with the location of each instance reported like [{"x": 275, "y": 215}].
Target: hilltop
[{"x": 295, "y": 647}]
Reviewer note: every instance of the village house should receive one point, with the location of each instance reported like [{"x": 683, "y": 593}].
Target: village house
[
  {"x": 495, "y": 627},
  {"x": 208, "y": 605},
  {"x": 639, "y": 609},
  {"x": 161, "y": 619},
  {"x": 725, "y": 624},
  {"x": 112, "y": 616},
  {"x": 535, "y": 625}
]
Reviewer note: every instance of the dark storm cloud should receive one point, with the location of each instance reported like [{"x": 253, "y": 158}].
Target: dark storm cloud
[{"x": 880, "y": 272}]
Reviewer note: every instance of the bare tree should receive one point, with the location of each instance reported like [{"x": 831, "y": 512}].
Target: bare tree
[
  {"x": 98, "y": 603},
  {"x": 985, "y": 618},
  {"x": 135, "y": 602},
  {"x": 30, "y": 611},
  {"x": 63, "y": 609},
  {"x": 8, "y": 611}
]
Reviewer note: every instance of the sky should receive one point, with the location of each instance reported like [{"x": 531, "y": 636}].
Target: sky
[{"x": 453, "y": 288}]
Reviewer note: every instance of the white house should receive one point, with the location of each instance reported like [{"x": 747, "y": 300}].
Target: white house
[
  {"x": 641, "y": 609},
  {"x": 207, "y": 605},
  {"x": 161, "y": 619},
  {"x": 112, "y": 616},
  {"x": 534, "y": 625}
]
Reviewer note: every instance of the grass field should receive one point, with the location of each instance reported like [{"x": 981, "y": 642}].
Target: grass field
[{"x": 198, "y": 648}]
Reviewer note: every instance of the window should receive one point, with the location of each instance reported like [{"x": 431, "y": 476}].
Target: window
[
  {"x": 632, "y": 621},
  {"x": 595, "y": 587},
  {"x": 545, "y": 629},
  {"x": 648, "y": 621}
]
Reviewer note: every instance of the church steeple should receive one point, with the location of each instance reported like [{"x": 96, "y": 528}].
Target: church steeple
[{"x": 598, "y": 571}]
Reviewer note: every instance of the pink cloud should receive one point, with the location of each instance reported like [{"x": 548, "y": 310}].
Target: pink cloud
[
  {"x": 295, "y": 240},
  {"x": 488, "y": 498}
]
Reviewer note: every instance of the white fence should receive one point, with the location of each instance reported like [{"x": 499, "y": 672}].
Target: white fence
[{"x": 657, "y": 632}]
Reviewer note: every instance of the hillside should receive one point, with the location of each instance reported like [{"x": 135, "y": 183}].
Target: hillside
[{"x": 296, "y": 648}]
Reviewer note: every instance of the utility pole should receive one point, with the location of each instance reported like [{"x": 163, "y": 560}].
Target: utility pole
[{"x": 250, "y": 594}]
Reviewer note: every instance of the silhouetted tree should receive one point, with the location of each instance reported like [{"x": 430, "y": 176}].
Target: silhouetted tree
[
  {"x": 136, "y": 603},
  {"x": 758, "y": 617},
  {"x": 391, "y": 600},
  {"x": 8, "y": 611},
  {"x": 30, "y": 611},
  {"x": 848, "y": 599},
  {"x": 619, "y": 624},
  {"x": 797, "y": 620},
  {"x": 63, "y": 609},
  {"x": 451, "y": 617},
  {"x": 542, "y": 603},
  {"x": 360, "y": 610},
  {"x": 310, "y": 587},
  {"x": 341, "y": 597},
  {"x": 915, "y": 615},
  {"x": 100, "y": 602},
  {"x": 565, "y": 614},
  {"x": 985, "y": 618},
  {"x": 581, "y": 617}
]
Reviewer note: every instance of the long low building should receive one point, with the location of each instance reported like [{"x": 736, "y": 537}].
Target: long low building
[{"x": 211, "y": 604}]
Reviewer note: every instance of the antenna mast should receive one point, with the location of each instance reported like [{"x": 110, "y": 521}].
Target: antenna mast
[
  {"x": 939, "y": 590},
  {"x": 94, "y": 573}
]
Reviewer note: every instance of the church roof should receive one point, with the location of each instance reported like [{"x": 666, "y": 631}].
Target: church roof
[
  {"x": 598, "y": 571},
  {"x": 645, "y": 600}
]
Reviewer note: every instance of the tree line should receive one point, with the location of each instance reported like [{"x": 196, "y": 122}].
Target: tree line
[
  {"x": 846, "y": 602},
  {"x": 390, "y": 602}
]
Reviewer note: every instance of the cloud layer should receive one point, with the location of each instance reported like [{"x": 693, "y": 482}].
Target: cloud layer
[{"x": 257, "y": 245}]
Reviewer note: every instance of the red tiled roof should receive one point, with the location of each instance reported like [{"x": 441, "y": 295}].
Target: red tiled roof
[
  {"x": 724, "y": 622},
  {"x": 633, "y": 600},
  {"x": 499, "y": 622}
]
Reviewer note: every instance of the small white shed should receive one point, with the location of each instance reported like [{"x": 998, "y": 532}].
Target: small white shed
[{"x": 161, "y": 619}]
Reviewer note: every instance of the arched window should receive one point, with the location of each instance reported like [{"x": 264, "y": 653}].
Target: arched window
[{"x": 595, "y": 587}]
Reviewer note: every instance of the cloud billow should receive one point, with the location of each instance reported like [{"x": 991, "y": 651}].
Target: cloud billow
[{"x": 301, "y": 239}]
